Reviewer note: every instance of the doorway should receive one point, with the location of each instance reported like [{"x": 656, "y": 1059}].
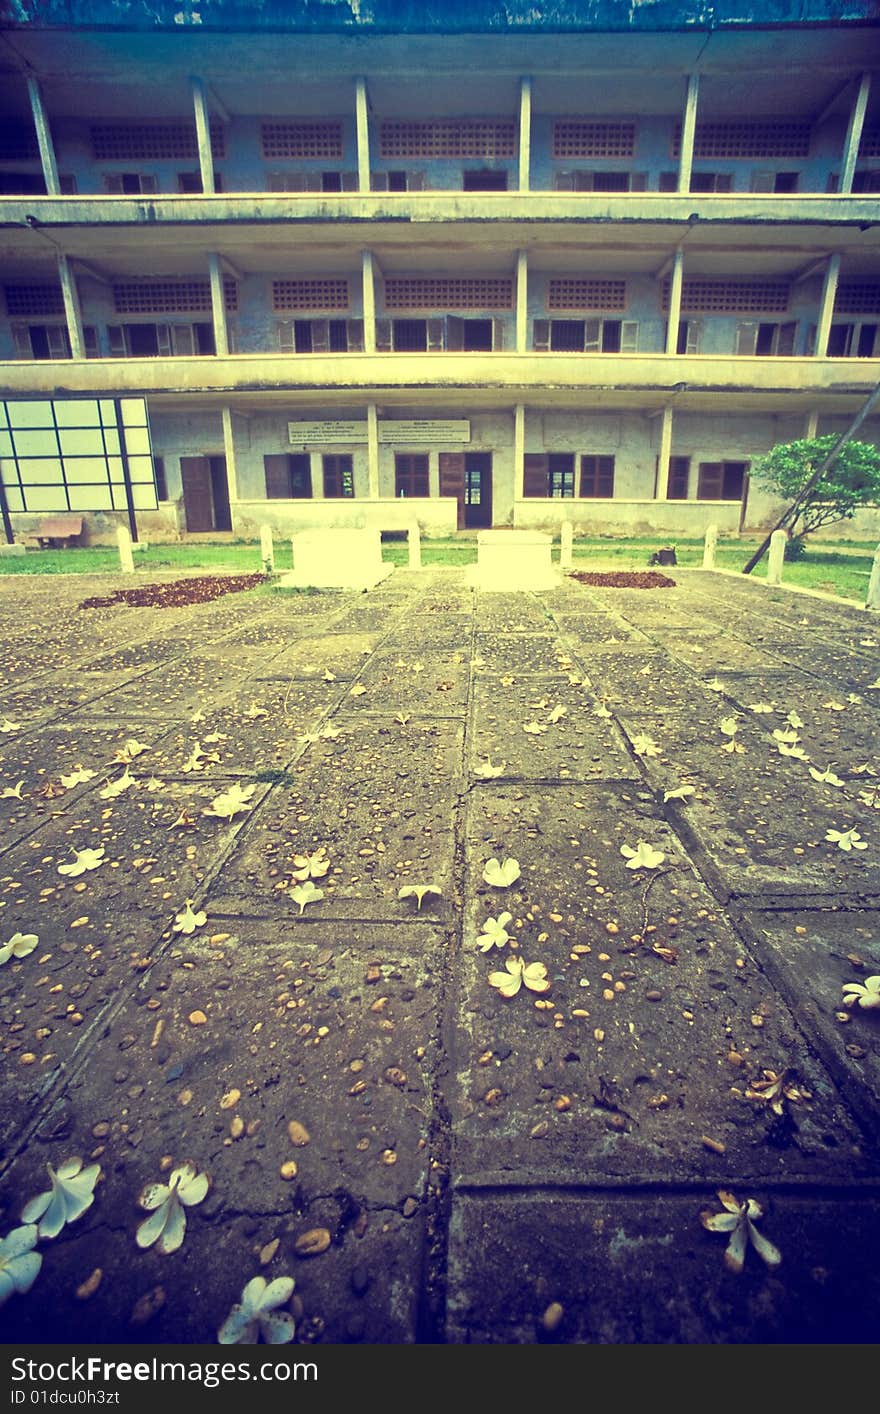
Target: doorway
[
  {"x": 205, "y": 494},
  {"x": 477, "y": 490}
]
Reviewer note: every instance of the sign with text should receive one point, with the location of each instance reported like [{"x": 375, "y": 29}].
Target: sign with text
[
  {"x": 327, "y": 433},
  {"x": 420, "y": 431},
  {"x": 424, "y": 430}
]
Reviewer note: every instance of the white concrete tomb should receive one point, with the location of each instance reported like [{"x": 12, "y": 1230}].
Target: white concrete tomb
[
  {"x": 514, "y": 559},
  {"x": 337, "y": 559}
]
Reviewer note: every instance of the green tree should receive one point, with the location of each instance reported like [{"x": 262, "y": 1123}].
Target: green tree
[{"x": 852, "y": 480}]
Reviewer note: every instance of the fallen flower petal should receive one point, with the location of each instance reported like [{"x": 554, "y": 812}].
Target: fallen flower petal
[
  {"x": 71, "y": 1194},
  {"x": 86, "y": 859},
  {"x": 418, "y": 891},
  {"x": 739, "y": 1220},
  {"x": 19, "y": 1263},
  {"x": 864, "y": 994},
  {"x": 19, "y": 945},
  {"x": 845, "y": 839},
  {"x": 255, "y": 1316},
  {"x": 187, "y": 922},
  {"x": 644, "y": 856},
  {"x": 501, "y": 874}
]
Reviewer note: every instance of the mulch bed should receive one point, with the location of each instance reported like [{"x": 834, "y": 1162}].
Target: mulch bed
[
  {"x": 626, "y": 579},
  {"x": 178, "y": 593}
]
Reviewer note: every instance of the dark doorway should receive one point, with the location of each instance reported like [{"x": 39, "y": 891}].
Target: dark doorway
[
  {"x": 477, "y": 490},
  {"x": 220, "y": 490},
  {"x": 198, "y": 494}
]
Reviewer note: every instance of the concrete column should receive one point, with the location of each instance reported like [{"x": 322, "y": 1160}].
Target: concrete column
[
  {"x": 854, "y": 135},
  {"x": 126, "y": 559},
  {"x": 203, "y": 135},
  {"x": 44, "y": 138},
  {"x": 675, "y": 284},
  {"x": 369, "y": 300},
  {"x": 688, "y": 129},
  {"x": 566, "y": 545},
  {"x": 826, "y": 306},
  {"x": 709, "y": 547},
  {"x": 663, "y": 454},
  {"x": 519, "y": 450},
  {"x": 414, "y": 545},
  {"x": 316, "y": 468},
  {"x": 811, "y": 426},
  {"x": 72, "y": 311},
  {"x": 229, "y": 453},
  {"x": 873, "y": 599},
  {"x": 267, "y": 549},
  {"x": 776, "y": 557},
  {"x": 218, "y": 306},
  {"x": 362, "y": 118},
  {"x": 522, "y": 301},
  {"x": 373, "y": 451},
  {"x": 525, "y": 132}
]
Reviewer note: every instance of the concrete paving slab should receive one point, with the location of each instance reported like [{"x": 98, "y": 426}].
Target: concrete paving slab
[{"x": 514, "y": 724}]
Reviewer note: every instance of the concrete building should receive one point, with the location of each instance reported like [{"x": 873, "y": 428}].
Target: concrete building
[{"x": 370, "y": 264}]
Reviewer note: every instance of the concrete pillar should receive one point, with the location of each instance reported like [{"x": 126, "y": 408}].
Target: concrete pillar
[
  {"x": 811, "y": 426},
  {"x": 126, "y": 559},
  {"x": 267, "y": 549},
  {"x": 854, "y": 136},
  {"x": 519, "y": 451},
  {"x": 373, "y": 451},
  {"x": 44, "y": 138},
  {"x": 675, "y": 284},
  {"x": 522, "y": 301},
  {"x": 316, "y": 471},
  {"x": 663, "y": 454},
  {"x": 414, "y": 545},
  {"x": 229, "y": 454},
  {"x": 369, "y": 300},
  {"x": 72, "y": 311},
  {"x": 566, "y": 545},
  {"x": 776, "y": 557},
  {"x": 218, "y": 306},
  {"x": 203, "y": 135},
  {"x": 709, "y": 547},
  {"x": 873, "y": 599},
  {"x": 362, "y": 118},
  {"x": 688, "y": 129},
  {"x": 525, "y": 132},
  {"x": 826, "y": 306}
]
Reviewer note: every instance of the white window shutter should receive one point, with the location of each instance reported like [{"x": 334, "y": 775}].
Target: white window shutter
[
  {"x": 592, "y": 335},
  {"x": 629, "y": 336},
  {"x": 746, "y": 337},
  {"x": 163, "y": 339},
  {"x": 182, "y": 340},
  {"x": 692, "y": 336},
  {"x": 22, "y": 341},
  {"x": 118, "y": 342},
  {"x": 286, "y": 336}
]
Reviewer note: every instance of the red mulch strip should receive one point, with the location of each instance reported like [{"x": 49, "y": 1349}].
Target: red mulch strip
[
  {"x": 178, "y": 593},
  {"x": 626, "y": 579}
]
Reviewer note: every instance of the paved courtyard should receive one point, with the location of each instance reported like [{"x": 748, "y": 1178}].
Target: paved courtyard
[{"x": 429, "y": 1159}]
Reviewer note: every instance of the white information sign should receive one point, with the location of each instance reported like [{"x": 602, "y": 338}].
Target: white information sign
[
  {"x": 323, "y": 434},
  {"x": 424, "y": 430},
  {"x": 420, "y": 431}
]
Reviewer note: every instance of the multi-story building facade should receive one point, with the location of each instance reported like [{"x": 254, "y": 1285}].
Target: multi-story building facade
[{"x": 424, "y": 263}]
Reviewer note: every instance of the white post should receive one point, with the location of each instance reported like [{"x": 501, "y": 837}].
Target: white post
[
  {"x": 854, "y": 136},
  {"x": 873, "y": 599},
  {"x": 522, "y": 301},
  {"x": 267, "y": 549},
  {"x": 414, "y": 545},
  {"x": 44, "y": 138},
  {"x": 525, "y": 132},
  {"x": 776, "y": 557},
  {"x": 203, "y": 135},
  {"x": 709, "y": 545},
  {"x": 826, "y": 305},
  {"x": 688, "y": 132},
  {"x": 566, "y": 545},
  {"x": 126, "y": 561},
  {"x": 293, "y": 553},
  {"x": 368, "y": 285},
  {"x": 72, "y": 311},
  {"x": 218, "y": 305},
  {"x": 362, "y": 120},
  {"x": 675, "y": 286},
  {"x": 664, "y": 454},
  {"x": 373, "y": 451}
]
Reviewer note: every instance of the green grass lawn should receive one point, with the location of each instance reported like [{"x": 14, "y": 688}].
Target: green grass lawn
[{"x": 845, "y": 574}]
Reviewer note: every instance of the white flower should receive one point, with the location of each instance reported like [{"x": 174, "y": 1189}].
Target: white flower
[
  {"x": 643, "y": 745},
  {"x": 796, "y": 752},
  {"x": 198, "y": 759},
  {"x": 486, "y": 771},
  {"x": 78, "y": 776},
  {"x": 534, "y": 728},
  {"x": 166, "y": 1225},
  {"x": 495, "y": 934},
  {"x": 558, "y": 712},
  {"x": 729, "y": 726},
  {"x": 794, "y": 720},
  {"x": 12, "y": 792},
  {"x": 305, "y": 894},
  {"x": 7, "y": 726},
  {"x": 739, "y": 1220},
  {"x": 127, "y": 753},
  {"x": 114, "y": 788},
  {"x": 255, "y": 1316},
  {"x": 761, "y": 707},
  {"x": 519, "y": 973},
  {"x": 679, "y": 793},
  {"x": 826, "y": 777},
  {"x": 644, "y": 856},
  {"x": 19, "y": 1263},
  {"x": 788, "y": 735},
  {"x": 501, "y": 874},
  {"x": 86, "y": 859},
  {"x": 418, "y": 891},
  {"x": 154, "y": 784},
  {"x": 834, "y": 706},
  {"x": 71, "y": 1195},
  {"x": 186, "y": 921},
  {"x": 329, "y": 733},
  {"x": 845, "y": 839},
  {"x": 715, "y": 685},
  {"x": 865, "y": 994},
  {"x": 311, "y": 866},
  {"x": 600, "y": 710},
  {"x": 255, "y": 712},
  {"x": 230, "y": 802},
  {"x": 19, "y": 945}
]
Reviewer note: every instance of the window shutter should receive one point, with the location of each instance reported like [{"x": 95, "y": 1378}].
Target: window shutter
[
  {"x": 59, "y": 344},
  {"x": 163, "y": 339},
  {"x": 497, "y": 335},
  {"x": 383, "y": 335},
  {"x": 563, "y": 181},
  {"x": 786, "y": 338},
  {"x": 668, "y": 181},
  {"x": 90, "y": 341},
  {"x": 583, "y": 181},
  {"x": 355, "y": 334},
  {"x": 535, "y": 474},
  {"x": 378, "y": 181},
  {"x": 541, "y": 335},
  {"x": 113, "y": 183},
  {"x": 454, "y": 334},
  {"x": 436, "y": 335},
  {"x": 416, "y": 181},
  {"x": 313, "y": 182},
  {"x": 592, "y": 335},
  {"x": 320, "y": 336},
  {"x": 277, "y": 469},
  {"x": 710, "y": 481},
  {"x": 118, "y": 341},
  {"x": 746, "y": 338},
  {"x": 350, "y": 181},
  {"x": 22, "y": 341},
  {"x": 677, "y": 482},
  {"x": 629, "y": 336},
  {"x": 762, "y": 181},
  {"x": 182, "y": 339},
  {"x": 638, "y": 181},
  {"x": 723, "y": 182},
  {"x": 693, "y": 331},
  {"x": 452, "y": 480},
  {"x": 286, "y": 336},
  {"x": 149, "y": 184}
]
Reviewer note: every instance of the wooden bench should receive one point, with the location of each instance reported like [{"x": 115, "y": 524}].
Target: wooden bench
[{"x": 58, "y": 532}]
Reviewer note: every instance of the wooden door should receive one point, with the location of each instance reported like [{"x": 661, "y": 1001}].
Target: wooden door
[
  {"x": 198, "y": 499},
  {"x": 452, "y": 481}
]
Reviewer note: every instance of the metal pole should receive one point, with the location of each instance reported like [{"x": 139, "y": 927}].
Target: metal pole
[
  {"x": 126, "y": 471},
  {"x": 4, "y": 511}
]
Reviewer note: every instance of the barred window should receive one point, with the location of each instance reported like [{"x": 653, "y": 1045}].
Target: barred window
[
  {"x": 25, "y": 300},
  {"x": 566, "y": 293},
  {"x": 748, "y": 140},
  {"x": 305, "y": 140},
  {"x": 730, "y": 296},
  {"x": 448, "y": 293},
  {"x": 18, "y": 141},
  {"x": 124, "y": 142},
  {"x": 857, "y": 298},
  {"x": 448, "y": 137},
  {"x": 575, "y": 137},
  {"x": 310, "y": 294},
  {"x": 170, "y": 296}
]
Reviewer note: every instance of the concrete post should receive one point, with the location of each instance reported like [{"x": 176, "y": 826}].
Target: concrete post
[
  {"x": 72, "y": 312},
  {"x": 414, "y": 545},
  {"x": 267, "y": 549},
  {"x": 811, "y": 425},
  {"x": 525, "y": 132},
  {"x": 663, "y": 454},
  {"x": 293, "y": 553},
  {"x": 44, "y": 138},
  {"x": 373, "y": 451},
  {"x": 854, "y": 136},
  {"x": 519, "y": 453},
  {"x": 126, "y": 559},
  {"x": 776, "y": 557},
  {"x": 362, "y": 119},
  {"x": 229, "y": 456},
  {"x": 218, "y": 306},
  {"x": 826, "y": 306},
  {"x": 674, "y": 313},
  {"x": 203, "y": 136},
  {"x": 688, "y": 129},
  {"x": 522, "y": 301},
  {"x": 873, "y": 599},
  {"x": 709, "y": 546},
  {"x": 369, "y": 301},
  {"x": 566, "y": 545}
]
